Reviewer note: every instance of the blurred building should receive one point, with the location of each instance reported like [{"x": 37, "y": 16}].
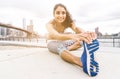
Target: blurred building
[
  {"x": 10, "y": 32},
  {"x": 116, "y": 34},
  {"x": 3, "y": 31},
  {"x": 30, "y": 29},
  {"x": 98, "y": 32},
  {"x": 30, "y": 26}
]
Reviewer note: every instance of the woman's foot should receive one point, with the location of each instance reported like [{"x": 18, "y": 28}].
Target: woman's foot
[
  {"x": 75, "y": 46},
  {"x": 90, "y": 66}
]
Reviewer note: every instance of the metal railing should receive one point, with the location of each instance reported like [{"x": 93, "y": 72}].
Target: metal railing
[
  {"x": 21, "y": 39},
  {"x": 111, "y": 41}
]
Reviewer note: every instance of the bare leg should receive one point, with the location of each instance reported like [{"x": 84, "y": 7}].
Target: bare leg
[
  {"x": 65, "y": 55},
  {"x": 71, "y": 58}
]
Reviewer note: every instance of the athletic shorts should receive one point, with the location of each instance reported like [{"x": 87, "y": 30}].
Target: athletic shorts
[{"x": 58, "y": 47}]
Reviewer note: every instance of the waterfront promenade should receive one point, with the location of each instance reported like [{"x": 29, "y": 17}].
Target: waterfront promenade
[{"x": 30, "y": 62}]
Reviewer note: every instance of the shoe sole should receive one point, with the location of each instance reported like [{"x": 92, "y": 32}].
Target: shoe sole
[
  {"x": 88, "y": 60},
  {"x": 89, "y": 56}
]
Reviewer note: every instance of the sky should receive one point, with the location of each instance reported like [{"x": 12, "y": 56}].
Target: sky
[{"x": 88, "y": 14}]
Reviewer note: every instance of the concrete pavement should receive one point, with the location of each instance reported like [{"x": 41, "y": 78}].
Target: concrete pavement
[{"x": 39, "y": 63}]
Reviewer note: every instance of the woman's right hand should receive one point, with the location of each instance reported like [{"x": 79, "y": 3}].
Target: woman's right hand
[{"x": 86, "y": 37}]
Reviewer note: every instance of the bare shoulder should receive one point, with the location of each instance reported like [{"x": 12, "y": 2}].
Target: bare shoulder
[
  {"x": 51, "y": 22},
  {"x": 50, "y": 25}
]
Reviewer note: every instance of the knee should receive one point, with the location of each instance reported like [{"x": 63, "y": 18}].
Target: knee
[
  {"x": 61, "y": 48},
  {"x": 51, "y": 47},
  {"x": 56, "y": 47}
]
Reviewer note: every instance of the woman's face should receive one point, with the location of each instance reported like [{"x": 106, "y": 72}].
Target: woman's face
[{"x": 60, "y": 14}]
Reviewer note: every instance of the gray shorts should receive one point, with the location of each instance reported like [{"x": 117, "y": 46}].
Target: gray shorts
[{"x": 59, "y": 46}]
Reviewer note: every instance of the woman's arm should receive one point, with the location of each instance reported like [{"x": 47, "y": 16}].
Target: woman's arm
[
  {"x": 90, "y": 35},
  {"x": 76, "y": 29},
  {"x": 53, "y": 34}
]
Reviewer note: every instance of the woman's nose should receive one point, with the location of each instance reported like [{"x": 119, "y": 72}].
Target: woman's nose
[{"x": 61, "y": 15}]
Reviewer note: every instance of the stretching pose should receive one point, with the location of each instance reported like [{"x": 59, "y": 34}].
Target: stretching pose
[{"x": 62, "y": 43}]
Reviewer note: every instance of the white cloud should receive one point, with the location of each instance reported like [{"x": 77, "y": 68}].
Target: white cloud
[{"x": 88, "y": 13}]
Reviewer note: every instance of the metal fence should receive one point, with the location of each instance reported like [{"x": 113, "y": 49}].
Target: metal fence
[
  {"x": 22, "y": 39},
  {"x": 108, "y": 42},
  {"x": 111, "y": 42}
]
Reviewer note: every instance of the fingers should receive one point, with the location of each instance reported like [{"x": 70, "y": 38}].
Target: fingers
[
  {"x": 86, "y": 40},
  {"x": 87, "y": 37},
  {"x": 92, "y": 35}
]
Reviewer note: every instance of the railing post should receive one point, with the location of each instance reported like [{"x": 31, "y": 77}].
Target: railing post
[
  {"x": 113, "y": 42},
  {"x": 119, "y": 41}
]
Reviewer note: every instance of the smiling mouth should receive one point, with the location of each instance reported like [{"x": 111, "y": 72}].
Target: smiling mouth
[{"x": 60, "y": 19}]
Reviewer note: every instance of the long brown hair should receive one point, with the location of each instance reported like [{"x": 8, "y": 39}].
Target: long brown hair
[{"x": 68, "y": 20}]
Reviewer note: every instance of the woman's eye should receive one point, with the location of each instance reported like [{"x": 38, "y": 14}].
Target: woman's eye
[
  {"x": 57, "y": 12},
  {"x": 63, "y": 12},
  {"x": 60, "y": 12}
]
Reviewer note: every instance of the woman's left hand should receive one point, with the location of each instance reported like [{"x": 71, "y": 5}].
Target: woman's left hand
[{"x": 92, "y": 35}]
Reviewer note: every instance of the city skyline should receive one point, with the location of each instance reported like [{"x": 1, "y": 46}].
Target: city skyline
[{"x": 88, "y": 14}]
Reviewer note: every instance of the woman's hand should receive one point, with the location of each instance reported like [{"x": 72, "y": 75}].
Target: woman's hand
[
  {"x": 85, "y": 36},
  {"x": 92, "y": 34}
]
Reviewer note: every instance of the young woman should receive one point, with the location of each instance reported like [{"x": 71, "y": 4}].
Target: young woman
[{"x": 63, "y": 42}]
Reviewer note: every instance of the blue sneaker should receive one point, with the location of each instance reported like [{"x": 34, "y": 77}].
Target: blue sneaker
[
  {"x": 90, "y": 66},
  {"x": 94, "y": 46},
  {"x": 94, "y": 68}
]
